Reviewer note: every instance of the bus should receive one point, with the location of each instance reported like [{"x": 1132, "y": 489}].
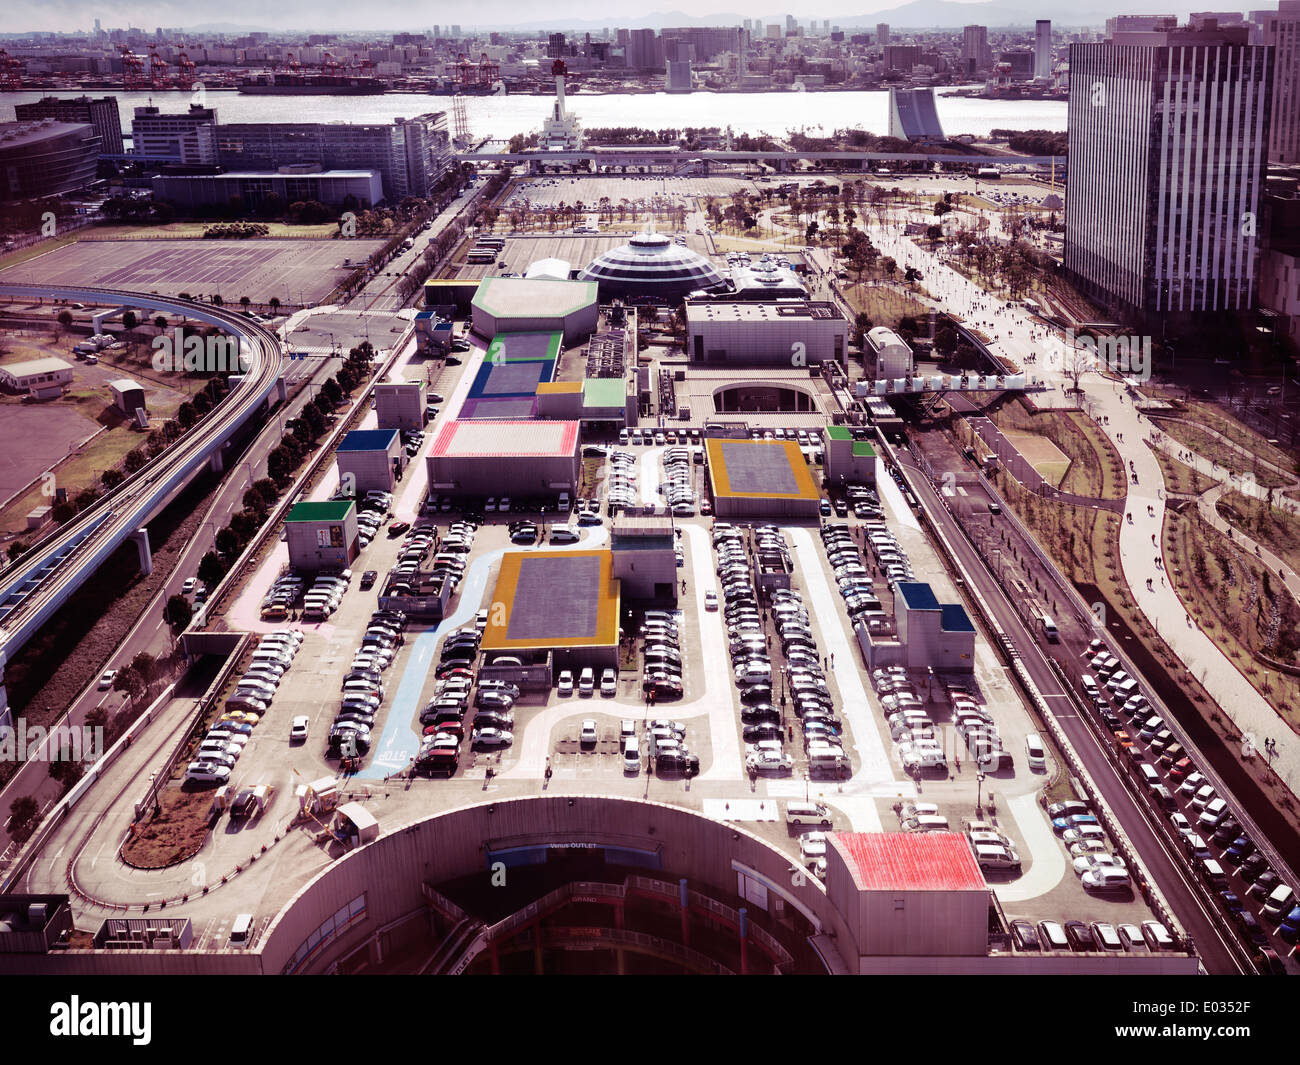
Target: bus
[{"x": 481, "y": 255}]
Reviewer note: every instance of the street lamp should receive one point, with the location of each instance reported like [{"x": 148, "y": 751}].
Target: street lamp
[{"x": 979, "y": 781}]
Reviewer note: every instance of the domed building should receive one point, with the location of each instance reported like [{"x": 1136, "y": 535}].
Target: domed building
[{"x": 651, "y": 266}]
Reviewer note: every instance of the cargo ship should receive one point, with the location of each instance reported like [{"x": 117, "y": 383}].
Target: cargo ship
[{"x": 313, "y": 85}]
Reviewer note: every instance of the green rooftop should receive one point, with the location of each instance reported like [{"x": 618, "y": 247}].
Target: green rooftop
[
  {"x": 838, "y": 432},
  {"x": 333, "y": 510},
  {"x": 603, "y": 392},
  {"x": 863, "y": 450}
]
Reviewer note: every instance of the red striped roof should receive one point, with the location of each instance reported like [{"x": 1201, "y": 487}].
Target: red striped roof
[
  {"x": 909, "y": 861},
  {"x": 505, "y": 438}
]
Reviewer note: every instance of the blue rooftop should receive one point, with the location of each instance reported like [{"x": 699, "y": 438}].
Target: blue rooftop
[
  {"x": 368, "y": 440},
  {"x": 955, "y": 619},
  {"x": 918, "y": 595}
]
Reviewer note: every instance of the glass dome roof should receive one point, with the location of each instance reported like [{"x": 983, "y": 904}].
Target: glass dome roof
[{"x": 651, "y": 264}]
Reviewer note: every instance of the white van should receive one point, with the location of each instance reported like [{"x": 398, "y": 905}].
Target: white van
[
  {"x": 1278, "y": 903},
  {"x": 1049, "y": 628},
  {"x": 1149, "y": 775},
  {"x": 926, "y": 823},
  {"x": 1089, "y": 686},
  {"x": 242, "y": 930},
  {"x": 587, "y": 683},
  {"x": 807, "y": 813},
  {"x": 1035, "y": 752}
]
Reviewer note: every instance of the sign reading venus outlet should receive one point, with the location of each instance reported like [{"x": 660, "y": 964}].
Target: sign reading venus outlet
[{"x": 200, "y": 354}]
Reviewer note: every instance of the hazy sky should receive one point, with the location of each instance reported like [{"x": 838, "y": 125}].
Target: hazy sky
[{"x": 73, "y": 15}]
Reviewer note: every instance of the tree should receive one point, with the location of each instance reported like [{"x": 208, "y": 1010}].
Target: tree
[
  {"x": 266, "y": 488},
  {"x": 67, "y": 772},
  {"x": 253, "y": 501},
  {"x": 177, "y": 613},
  {"x": 244, "y": 302},
  {"x": 245, "y": 524},
  {"x": 945, "y": 341},
  {"x": 274, "y": 304},
  {"x": 187, "y": 415},
  {"x": 227, "y": 542},
  {"x": 160, "y": 323},
  {"x": 211, "y": 569},
  {"x": 130, "y": 682},
  {"x": 146, "y": 665},
  {"x": 65, "y": 319},
  {"x": 129, "y": 320},
  {"x": 24, "y": 813},
  {"x": 110, "y": 479}
]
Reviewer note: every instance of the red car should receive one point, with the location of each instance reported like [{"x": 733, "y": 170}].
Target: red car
[{"x": 1181, "y": 768}]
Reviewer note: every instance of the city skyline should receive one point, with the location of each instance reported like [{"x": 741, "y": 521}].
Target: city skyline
[{"x": 75, "y": 16}]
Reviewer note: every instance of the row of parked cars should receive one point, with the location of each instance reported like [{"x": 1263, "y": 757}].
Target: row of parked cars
[
  {"x": 281, "y": 596},
  {"x": 622, "y": 481},
  {"x": 224, "y": 742},
  {"x": 1080, "y": 937},
  {"x": 661, "y": 655},
  {"x": 1099, "y": 869},
  {"x": 1211, "y": 835},
  {"x": 269, "y": 663},
  {"x": 443, "y": 718},
  {"x": 363, "y": 686},
  {"x": 678, "y": 489},
  {"x": 325, "y": 595},
  {"x": 890, "y": 556},
  {"x": 851, "y": 577},
  {"x": 805, "y": 680}
]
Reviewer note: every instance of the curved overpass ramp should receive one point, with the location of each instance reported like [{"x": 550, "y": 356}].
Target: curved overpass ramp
[{"x": 34, "y": 588}]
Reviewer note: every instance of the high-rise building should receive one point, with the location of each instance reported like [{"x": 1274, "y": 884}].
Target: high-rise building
[
  {"x": 790, "y": 25},
  {"x": 644, "y": 51},
  {"x": 975, "y": 47},
  {"x": 707, "y": 41},
  {"x": 189, "y": 138},
  {"x": 1282, "y": 33},
  {"x": 1043, "y": 48},
  {"x": 101, "y": 115},
  {"x": 409, "y": 154},
  {"x": 455, "y": 31},
  {"x": 774, "y": 30},
  {"x": 679, "y": 76},
  {"x": 1168, "y": 137},
  {"x": 882, "y": 33},
  {"x": 556, "y": 46}
]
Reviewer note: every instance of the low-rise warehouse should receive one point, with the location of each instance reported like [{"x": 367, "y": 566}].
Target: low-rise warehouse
[
  {"x": 933, "y": 634},
  {"x": 370, "y": 460},
  {"x": 321, "y": 536},
  {"x": 565, "y": 603},
  {"x": 765, "y": 334},
  {"x": 760, "y": 479},
  {"x": 511, "y": 457},
  {"x": 535, "y": 304},
  {"x": 41, "y": 377}
]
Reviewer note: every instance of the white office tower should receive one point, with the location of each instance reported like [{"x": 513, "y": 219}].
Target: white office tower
[
  {"x": 882, "y": 33},
  {"x": 1043, "y": 48},
  {"x": 1282, "y": 33},
  {"x": 1168, "y": 147},
  {"x": 562, "y": 131}
]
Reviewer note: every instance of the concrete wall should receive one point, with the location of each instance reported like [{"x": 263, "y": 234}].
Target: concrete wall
[
  {"x": 724, "y": 343},
  {"x": 399, "y": 406},
  {"x": 640, "y": 570}
]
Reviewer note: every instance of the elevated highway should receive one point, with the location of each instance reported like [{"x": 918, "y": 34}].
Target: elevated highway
[{"x": 34, "y": 588}]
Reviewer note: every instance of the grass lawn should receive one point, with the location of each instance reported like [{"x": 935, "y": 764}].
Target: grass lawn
[
  {"x": 176, "y": 833},
  {"x": 1095, "y": 469},
  {"x": 1180, "y": 478},
  {"x": 883, "y": 305}
]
